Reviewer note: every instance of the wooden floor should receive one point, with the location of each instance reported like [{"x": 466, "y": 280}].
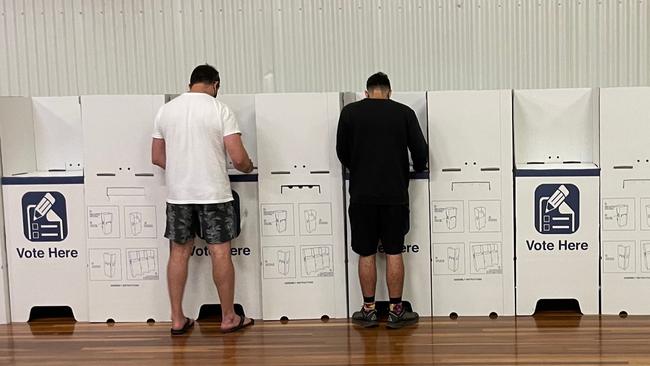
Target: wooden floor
[{"x": 551, "y": 339}]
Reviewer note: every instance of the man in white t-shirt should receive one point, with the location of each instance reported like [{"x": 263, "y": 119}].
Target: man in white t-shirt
[{"x": 191, "y": 136}]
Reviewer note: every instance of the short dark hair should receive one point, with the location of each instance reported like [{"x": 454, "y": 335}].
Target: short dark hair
[
  {"x": 378, "y": 80},
  {"x": 204, "y": 74}
]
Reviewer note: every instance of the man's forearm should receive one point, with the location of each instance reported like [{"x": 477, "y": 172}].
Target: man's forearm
[{"x": 160, "y": 163}]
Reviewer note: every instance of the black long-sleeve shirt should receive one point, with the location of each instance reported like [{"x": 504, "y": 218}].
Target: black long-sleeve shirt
[{"x": 372, "y": 141}]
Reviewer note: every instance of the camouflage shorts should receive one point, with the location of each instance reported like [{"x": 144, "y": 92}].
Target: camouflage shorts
[{"x": 215, "y": 222}]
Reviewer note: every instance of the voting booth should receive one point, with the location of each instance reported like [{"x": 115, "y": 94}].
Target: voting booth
[
  {"x": 557, "y": 197},
  {"x": 625, "y": 200},
  {"x": 470, "y": 146},
  {"x": 125, "y": 210},
  {"x": 301, "y": 206},
  {"x": 5, "y": 315},
  {"x": 200, "y": 289},
  {"x": 43, "y": 204},
  {"x": 416, "y": 253}
]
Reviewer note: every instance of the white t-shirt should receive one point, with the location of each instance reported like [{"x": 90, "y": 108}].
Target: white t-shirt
[{"x": 193, "y": 126}]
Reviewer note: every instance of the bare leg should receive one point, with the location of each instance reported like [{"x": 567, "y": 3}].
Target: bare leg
[
  {"x": 223, "y": 274},
  {"x": 179, "y": 255},
  {"x": 394, "y": 275},
  {"x": 368, "y": 275}
]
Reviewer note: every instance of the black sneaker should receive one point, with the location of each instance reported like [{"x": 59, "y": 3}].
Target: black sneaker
[
  {"x": 404, "y": 318},
  {"x": 366, "y": 319}
]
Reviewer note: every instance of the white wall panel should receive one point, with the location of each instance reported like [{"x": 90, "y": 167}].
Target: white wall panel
[{"x": 72, "y": 47}]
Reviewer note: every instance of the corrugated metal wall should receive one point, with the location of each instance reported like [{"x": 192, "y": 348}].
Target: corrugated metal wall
[{"x": 71, "y": 47}]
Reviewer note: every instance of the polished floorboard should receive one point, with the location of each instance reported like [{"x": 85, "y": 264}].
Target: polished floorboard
[{"x": 548, "y": 339}]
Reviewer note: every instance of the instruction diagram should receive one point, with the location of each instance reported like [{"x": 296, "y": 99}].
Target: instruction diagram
[
  {"x": 277, "y": 219},
  {"x": 105, "y": 264},
  {"x": 447, "y": 216},
  {"x": 485, "y": 216},
  {"x": 486, "y": 258},
  {"x": 645, "y": 254},
  {"x": 618, "y": 256},
  {"x": 279, "y": 262},
  {"x": 623, "y": 257},
  {"x": 140, "y": 222},
  {"x": 316, "y": 218},
  {"x": 453, "y": 259},
  {"x": 448, "y": 258},
  {"x": 317, "y": 261},
  {"x": 142, "y": 264},
  {"x": 645, "y": 214},
  {"x": 618, "y": 214},
  {"x": 103, "y": 222}
]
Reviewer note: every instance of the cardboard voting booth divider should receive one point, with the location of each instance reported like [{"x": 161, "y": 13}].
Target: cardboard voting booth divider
[
  {"x": 470, "y": 145},
  {"x": 625, "y": 200},
  {"x": 43, "y": 204},
  {"x": 417, "y": 245},
  {"x": 5, "y": 315},
  {"x": 125, "y": 210},
  {"x": 301, "y": 206},
  {"x": 557, "y": 197},
  {"x": 200, "y": 289}
]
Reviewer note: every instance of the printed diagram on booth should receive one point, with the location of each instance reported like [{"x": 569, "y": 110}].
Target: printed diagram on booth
[
  {"x": 645, "y": 214},
  {"x": 317, "y": 261},
  {"x": 486, "y": 258},
  {"x": 618, "y": 256},
  {"x": 485, "y": 216},
  {"x": 447, "y": 216},
  {"x": 279, "y": 262},
  {"x": 277, "y": 219},
  {"x": 618, "y": 214},
  {"x": 316, "y": 219},
  {"x": 142, "y": 264},
  {"x": 645, "y": 253},
  {"x": 105, "y": 264},
  {"x": 448, "y": 258},
  {"x": 140, "y": 222},
  {"x": 103, "y": 222}
]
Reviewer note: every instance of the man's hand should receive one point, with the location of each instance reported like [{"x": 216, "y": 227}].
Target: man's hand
[
  {"x": 158, "y": 154},
  {"x": 237, "y": 153}
]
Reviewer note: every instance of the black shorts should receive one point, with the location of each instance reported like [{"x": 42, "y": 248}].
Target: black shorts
[
  {"x": 371, "y": 224},
  {"x": 215, "y": 222}
]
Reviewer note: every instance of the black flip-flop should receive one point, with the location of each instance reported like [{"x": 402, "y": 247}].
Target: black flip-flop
[
  {"x": 189, "y": 323},
  {"x": 239, "y": 326}
]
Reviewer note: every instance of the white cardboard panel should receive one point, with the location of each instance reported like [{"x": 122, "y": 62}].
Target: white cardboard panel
[
  {"x": 556, "y": 125},
  {"x": 17, "y": 135},
  {"x": 287, "y": 131},
  {"x": 470, "y": 135},
  {"x": 417, "y": 251},
  {"x": 625, "y": 200},
  {"x": 125, "y": 210},
  {"x": 46, "y": 253},
  {"x": 5, "y": 314},
  {"x": 57, "y": 133},
  {"x": 553, "y": 264},
  {"x": 559, "y": 128},
  {"x": 301, "y": 206},
  {"x": 117, "y": 133}
]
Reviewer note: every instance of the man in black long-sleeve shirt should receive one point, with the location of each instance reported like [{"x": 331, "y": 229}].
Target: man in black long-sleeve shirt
[{"x": 373, "y": 139}]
